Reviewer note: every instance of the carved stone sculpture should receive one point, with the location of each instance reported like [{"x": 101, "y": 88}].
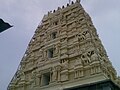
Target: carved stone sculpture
[
  {"x": 94, "y": 56},
  {"x": 64, "y": 64},
  {"x": 54, "y": 74}
]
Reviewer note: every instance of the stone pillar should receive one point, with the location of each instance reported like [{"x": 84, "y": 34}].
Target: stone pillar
[{"x": 64, "y": 75}]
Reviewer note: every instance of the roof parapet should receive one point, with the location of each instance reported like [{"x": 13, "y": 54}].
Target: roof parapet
[{"x": 59, "y": 8}]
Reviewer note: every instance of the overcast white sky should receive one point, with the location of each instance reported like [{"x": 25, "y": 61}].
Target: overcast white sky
[{"x": 25, "y": 15}]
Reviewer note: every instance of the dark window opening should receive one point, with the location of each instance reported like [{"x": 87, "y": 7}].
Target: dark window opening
[
  {"x": 54, "y": 35},
  {"x": 56, "y": 23},
  {"x": 50, "y": 53},
  {"x": 46, "y": 79}
]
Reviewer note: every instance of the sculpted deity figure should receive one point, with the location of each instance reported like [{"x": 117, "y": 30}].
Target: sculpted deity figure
[
  {"x": 64, "y": 65},
  {"x": 81, "y": 37},
  {"x": 87, "y": 35},
  {"x": 38, "y": 78},
  {"x": 22, "y": 75},
  {"x": 33, "y": 74},
  {"x": 85, "y": 58},
  {"x": 33, "y": 78},
  {"x": 54, "y": 74},
  {"x": 94, "y": 56},
  {"x": 78, "y": 61}
]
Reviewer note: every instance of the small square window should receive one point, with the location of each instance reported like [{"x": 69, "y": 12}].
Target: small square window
[{"x": 54, "y": 35}]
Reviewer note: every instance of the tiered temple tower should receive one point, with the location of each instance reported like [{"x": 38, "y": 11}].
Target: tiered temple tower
[{"x": 65, "y": 52}]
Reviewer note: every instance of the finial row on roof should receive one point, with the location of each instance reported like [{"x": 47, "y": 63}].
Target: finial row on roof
[{"x": 68, "y": 4}]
